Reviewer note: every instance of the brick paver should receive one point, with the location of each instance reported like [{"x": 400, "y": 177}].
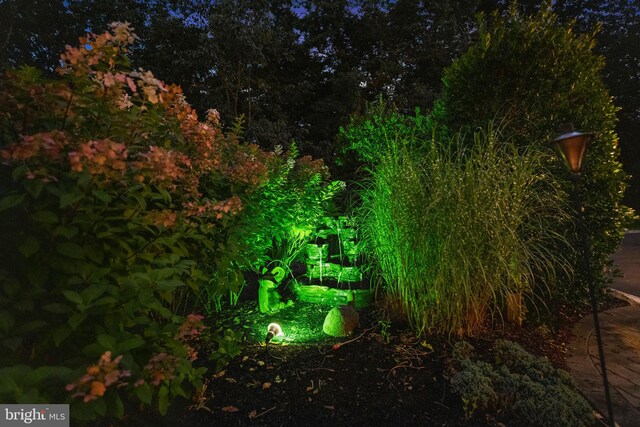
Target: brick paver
[{"x": 621, "y": 339}]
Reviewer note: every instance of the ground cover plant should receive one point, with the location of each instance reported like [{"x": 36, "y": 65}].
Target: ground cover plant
[
  {"x": 527, "y": 390},
  {"x": 116, "y": 209}
]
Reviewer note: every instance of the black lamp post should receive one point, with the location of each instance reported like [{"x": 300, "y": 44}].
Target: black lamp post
[{"x": 572, "y": 145}]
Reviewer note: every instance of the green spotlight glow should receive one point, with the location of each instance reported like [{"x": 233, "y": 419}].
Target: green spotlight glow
[
  {"x": 301, "y": 324},
  {"x": 273, "y": 330}
]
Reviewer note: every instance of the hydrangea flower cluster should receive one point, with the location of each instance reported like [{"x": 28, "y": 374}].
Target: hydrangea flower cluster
[
  {"x": 98, "y": 378},
  {"x": 190, "y": 334},
  {"x": 161, "y": 367}
]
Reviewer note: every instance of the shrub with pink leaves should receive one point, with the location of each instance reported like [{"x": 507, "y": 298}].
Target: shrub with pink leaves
[{"x": 115, "y": 202}]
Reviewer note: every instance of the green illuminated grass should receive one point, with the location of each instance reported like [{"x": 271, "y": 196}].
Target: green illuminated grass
[{"x": 454, "y": 230}]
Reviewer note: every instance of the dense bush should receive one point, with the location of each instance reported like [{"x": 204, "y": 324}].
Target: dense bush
[
  {"x": 532, "y": 75},
  {"x": 381, "y": 129},
  {"x": 282, "y": 214},
  {"x": 117, "y": 204},
  {"x": 525, "y": 390},
  {"x": 455, "y": 227},
  {"x": 277, "y": 219}
]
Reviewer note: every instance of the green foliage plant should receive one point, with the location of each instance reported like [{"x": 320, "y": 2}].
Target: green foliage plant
[
  {"x": 115, "y": 202},
  {"x": 454, "y": 227},
  {"x": 279, "y": 216},
  {"x": 533, "y": 74},
  {"x": 519, "y": 387},
  {"x": 381, "y": 129}
]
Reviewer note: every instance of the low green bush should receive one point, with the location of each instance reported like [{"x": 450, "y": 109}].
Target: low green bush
[{"x": 522, "y": 389}]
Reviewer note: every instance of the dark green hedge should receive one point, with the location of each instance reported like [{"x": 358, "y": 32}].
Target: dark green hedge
[{"x": 530, "y": 75}]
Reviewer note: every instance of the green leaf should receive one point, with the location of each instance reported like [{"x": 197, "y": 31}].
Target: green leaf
[
  {"x": 141, "y": 200},
  {"x": 45, "y": 372},
  {"x": 44, "y": 217},
  {"x": 12, "y": 288},
  {"x": 28, "y": 396},
  {"x": 94, "y": 253},
  {"x": 34, "y": 187},
  {"x": 38, "y": 274},
  {"x": 165, "y": 195},
  {"x": 117, "y": 407},
  {"x": 12, "y": 372},
  {"x": 106, "y": 341},
  {"x": 72, "y": 296},
  {"x": 105, "y": 300},
  {"x": 10, "y": 201},
  {"x": 163, "y": 400},
  {"x": 19, "y": 172},
  {"x": 144, "y": 393},
  {"x": 99, "y": 406},
  {"x": 77, "y": 319},
  {"x": 29, "y": 246},
  {"x": 103, "y": 196},
  {"x": 85, "y": 179},
  {"x": 93, "y": 350},
  {"x": 71, "y": 250},
  {"x": 83, "y": 412},
  {"x": 162, "y": 311},
  {"x": 60, "y": 334},
  {"x": 130, "y": 344},
  {"x": 177, "y": 390},
  {"x": 66, "y": 231},
  {"x": 13, "y": 343},
  {"x": 92, "y": 292},
  {"x": 69, "y": 198}
]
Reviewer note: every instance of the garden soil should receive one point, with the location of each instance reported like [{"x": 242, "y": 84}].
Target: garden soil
[{"x": 382, "y": 375}]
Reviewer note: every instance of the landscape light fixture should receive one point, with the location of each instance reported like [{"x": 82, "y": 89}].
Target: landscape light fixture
[
  {"x": 572, "y": 146},
  {"x": 273, "y": 330}
]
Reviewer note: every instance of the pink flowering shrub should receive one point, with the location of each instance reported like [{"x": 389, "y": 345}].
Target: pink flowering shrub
[
  {"x": 94, "y": 383},
  {"x": 191, "y": 333},
  {"x": 116, "y": 201}
]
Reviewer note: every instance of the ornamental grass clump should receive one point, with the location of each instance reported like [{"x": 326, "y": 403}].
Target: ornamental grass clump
[{"x": 457, "y": 227}]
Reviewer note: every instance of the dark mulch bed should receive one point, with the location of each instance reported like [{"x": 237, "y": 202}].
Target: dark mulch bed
[{"x": 378, "y": 377}]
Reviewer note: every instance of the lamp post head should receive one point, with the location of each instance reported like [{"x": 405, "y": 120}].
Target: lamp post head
[{"x": 572, "y": 145}]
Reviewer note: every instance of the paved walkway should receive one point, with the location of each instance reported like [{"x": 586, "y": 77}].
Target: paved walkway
[
  {"x": 621, "y": 339},
  {"x": 628, "y": 260}
]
